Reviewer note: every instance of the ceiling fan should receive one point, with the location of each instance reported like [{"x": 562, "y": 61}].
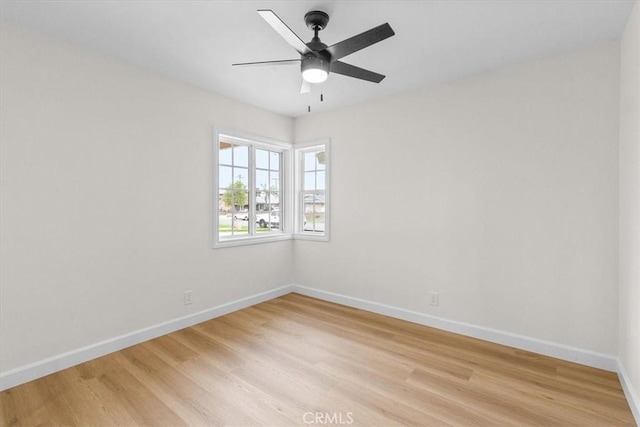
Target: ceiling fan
[{"x": 317, "y": 59}]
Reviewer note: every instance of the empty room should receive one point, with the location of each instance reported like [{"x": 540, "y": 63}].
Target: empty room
[{"x": 276, "y": 213}]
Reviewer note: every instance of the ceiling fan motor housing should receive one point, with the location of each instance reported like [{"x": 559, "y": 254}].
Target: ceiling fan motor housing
[{"x": 316, "y": 20}]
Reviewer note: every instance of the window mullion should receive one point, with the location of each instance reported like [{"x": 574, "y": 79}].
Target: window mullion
[
  {"x": 300, "y": 212},
  {"x": 252, "y": 191},
  {"x": 284, "y": 219}
]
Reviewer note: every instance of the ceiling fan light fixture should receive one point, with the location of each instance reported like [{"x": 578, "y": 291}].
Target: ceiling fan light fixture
[
  {"x": 315, "y": 70},
  {"x": 315, "y": 75}
]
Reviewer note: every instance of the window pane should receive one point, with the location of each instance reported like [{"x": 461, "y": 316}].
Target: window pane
[
  {"x": 314, "y": 211},
  {"x": 261, "y": 201},
  {"x": 274, "y": 200},
  {"x": 241, "y": 175},
  {"x": 224, "y": 221},
  {"x": 262, "y": 220},
  {"x": 225, "y": 176},
  {"x": 308, "y": 219},
  {"x": 225, "y": 153},
  {"x": 274, "y": 181},
  {"x": 264, "y": 201},
  {"x": 262, "y": 159},
  {"x": 320, "y": 160},
  {"x": 262, "y": 180},
  {"x": 239, "y": 199},
  {"x": 318, "y": 219},
  {"x": 320, "y": 180},
  {"x": 309, "y": 181},
  {"x": 275, "y": 160},
  {"x": 276, "y": 223},
  {"x": 239, "y": 227},
  {"x": 241, "y": 155},
  {"x": 268, "y": 220},
  {"x": 309, "y": 161},
  {"x": 314, "y": 221}
]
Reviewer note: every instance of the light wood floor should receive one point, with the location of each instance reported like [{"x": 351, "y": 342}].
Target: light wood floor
[{"x": 297, "y": 360}]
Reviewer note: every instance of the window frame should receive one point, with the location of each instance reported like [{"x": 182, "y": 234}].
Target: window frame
[
  {"x": 299, "y": 149},
  {"x": 286, "y": 207}
]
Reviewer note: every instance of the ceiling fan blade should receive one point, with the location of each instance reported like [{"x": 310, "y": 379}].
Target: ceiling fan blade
[
  {"x": 278, "y": 62},
  {"x": 349, "y": 70},
  {"x": 305, "y": 87},
  {"x": 282, "y": 29},
  {"x": 362, "y": 40}
]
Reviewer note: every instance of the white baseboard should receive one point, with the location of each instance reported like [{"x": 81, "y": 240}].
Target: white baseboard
[
  {"x": 629, "y": 392},
  {"x": 560, "y": 351},
  {"x": 59, "y": 362},
  {"x": 62, "y": 361}
]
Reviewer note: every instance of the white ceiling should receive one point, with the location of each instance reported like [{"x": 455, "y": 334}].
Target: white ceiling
[{"x": 197, "y": 41}]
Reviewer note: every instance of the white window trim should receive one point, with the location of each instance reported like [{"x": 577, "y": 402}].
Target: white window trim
[
  {"x": 287, "y": 188},
  {"x": 298, "y": 150}
]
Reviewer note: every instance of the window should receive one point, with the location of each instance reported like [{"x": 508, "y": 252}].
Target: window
[
  {"x": 254, "y": 194},
  {"x": 251, "y": 180},
  {"x": 312, "y": 190}
]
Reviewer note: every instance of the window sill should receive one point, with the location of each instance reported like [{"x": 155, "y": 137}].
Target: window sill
[
  {"x": 251, "y": 240},
  {"x": 311, "y": 236}
]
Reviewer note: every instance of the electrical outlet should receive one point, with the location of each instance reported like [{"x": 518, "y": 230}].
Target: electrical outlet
[
  {"x": 433, "y": 298},
  {"x": 188, "y": 297}
]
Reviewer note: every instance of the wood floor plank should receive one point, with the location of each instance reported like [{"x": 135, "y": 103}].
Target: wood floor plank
[{"x": 296, "y": 360}]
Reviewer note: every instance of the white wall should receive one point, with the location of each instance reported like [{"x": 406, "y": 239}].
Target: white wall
[
  {"x": 499, "y": 191},
  {"x": 107, "y": 199},
  {"x": 630, "y": 202}
]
